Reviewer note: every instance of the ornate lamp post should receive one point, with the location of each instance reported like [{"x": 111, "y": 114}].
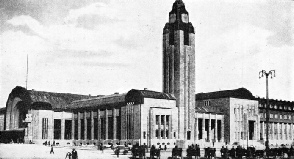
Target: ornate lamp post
[{"x": 271, "y": 73}]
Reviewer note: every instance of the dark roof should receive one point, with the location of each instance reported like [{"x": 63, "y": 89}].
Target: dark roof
[
  {"x": 56, "y": 100},
  {"x": 137, "y": 96},
  {"x": 103, "y": 101},
  {"x": 208, "y": 109},
  {"x": 241, "y": 93}
]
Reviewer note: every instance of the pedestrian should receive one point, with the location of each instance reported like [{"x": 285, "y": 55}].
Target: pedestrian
[
  {"x": 74, "y": 154},
  {"x": 165, "y": 148},
  {"x": 68, "y": 155},
  {"x": 101, "y": 147},
  {"x": 51, "y": 151},
  {"x": 233, "y": 153},
  {"x": 117, "y": 151}
]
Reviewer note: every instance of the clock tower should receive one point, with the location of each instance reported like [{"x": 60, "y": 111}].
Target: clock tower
[{"x": 179, "y": 67}]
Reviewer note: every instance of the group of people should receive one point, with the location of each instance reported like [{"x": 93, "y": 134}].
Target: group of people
[
  {"x": 72, "y": 155},
  {"x": 193, "y": 150}
]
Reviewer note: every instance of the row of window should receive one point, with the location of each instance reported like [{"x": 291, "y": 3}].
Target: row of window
[
  {"x": 277, "y": 116},
  {"x": 277, "y": 107}
]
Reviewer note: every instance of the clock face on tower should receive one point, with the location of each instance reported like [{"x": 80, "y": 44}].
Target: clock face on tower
[
  {"x": 172, "y": 18},
  {"x": 185, "y": 18}
]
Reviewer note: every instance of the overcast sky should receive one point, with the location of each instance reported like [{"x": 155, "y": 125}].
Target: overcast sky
[{"x": 106, "y": 46}]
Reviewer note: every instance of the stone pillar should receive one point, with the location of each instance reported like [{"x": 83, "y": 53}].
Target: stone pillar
[
  {"x": 99, "y": 124},
  {"x": 222, "y": 130},
  {"x": 114, "y": 122},
  {"x": 73, "y": 126},
  {"x": 286, "y": 131},
  {"x": 159, "y": 127},
  {"x": 278, "y": 131},
  {"x": 209, "y": 128},
  {"x": 203, "y": 126},
  {"x": 273, "y": 130},
  {"x": 62, "y": 128},
  {"x": 164, "y": 127},
  {"x": 216, "y": 137},
  {"x": 282, "y": 131},
  {"x": 170, "y": 132},
  {"x": 85, "y": 125},
  {"x": 79, "y": 126},
  {"x": 106, "y": 124},
  {"x": 152, "y": 124},
  {"x": 291, "y": 127},
  {"x": 92, "y": 125}
]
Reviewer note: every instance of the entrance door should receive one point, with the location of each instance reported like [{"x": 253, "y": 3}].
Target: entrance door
[{"x": 251, "y": 129}]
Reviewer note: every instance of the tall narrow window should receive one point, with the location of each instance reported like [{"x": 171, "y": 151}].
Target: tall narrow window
[
  {"x": 44, "y": 128},
  {"x": 188, "y": 135},
  {"x": 57, "y": 129}
]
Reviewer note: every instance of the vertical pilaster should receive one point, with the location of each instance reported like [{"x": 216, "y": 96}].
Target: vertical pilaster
[
  {"x": 164, "y": 126},
  {"x": 203, "y": 126},
  {"x": 262, "y": 130},
  {"x": 159, "y": 127},
  {"x": 79, "y": 126},
  {"x": 209, "y": 128},
  {"x": 282, "y": 131},
  {"x": 152, "y": 124},
  {"x": 292, "y": 134},
  {"x": 222, "y": 130},
  {"x": 216, "y": 130},
  {"x": 99, "y": 124},
  {"x": 272, "y": 130},
  {"x": 278, "y": 131},
  {"x": 73, "y": 126},
  {"x": 85, "y": 125},
  {"x": 170, "y": 131},
  {"x": 114, "y": 122},
  {"x": 106, "y": 124},
  {"x": 92, "y": 124}
]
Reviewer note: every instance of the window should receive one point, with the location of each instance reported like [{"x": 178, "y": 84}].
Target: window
[
  {"x": 206, "y": 103},
  {"x": 285, "y": 116},
  {"x": 188, "y": 135},
  {"x": 157, "y": 119},
  {"x": 281, "y": 117},
  {"x": 271, "y": 115},
  {"x": 261, "y": 115},
  {"x": 276, "y": 115}
]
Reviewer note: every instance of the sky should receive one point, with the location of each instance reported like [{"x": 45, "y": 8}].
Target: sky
[{"x": 100, "y": 47}]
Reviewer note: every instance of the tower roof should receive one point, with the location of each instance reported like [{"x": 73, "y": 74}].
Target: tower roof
[{"x": 178, "y": 8}]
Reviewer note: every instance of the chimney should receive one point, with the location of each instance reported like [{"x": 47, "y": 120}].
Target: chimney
[{"x": 145, "y": 89}]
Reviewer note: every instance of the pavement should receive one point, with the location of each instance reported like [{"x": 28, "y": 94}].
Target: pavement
[{"x": 16, "y": 151}]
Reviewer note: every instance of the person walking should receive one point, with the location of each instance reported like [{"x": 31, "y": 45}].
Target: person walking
[
  {"x": 74, "y": 154},
  {"x": 51, "y": 151},
  {"x": 68, "y": 155}
]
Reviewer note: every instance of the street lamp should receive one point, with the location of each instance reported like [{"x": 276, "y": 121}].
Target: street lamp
[{"x": 271, "y": 73}]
